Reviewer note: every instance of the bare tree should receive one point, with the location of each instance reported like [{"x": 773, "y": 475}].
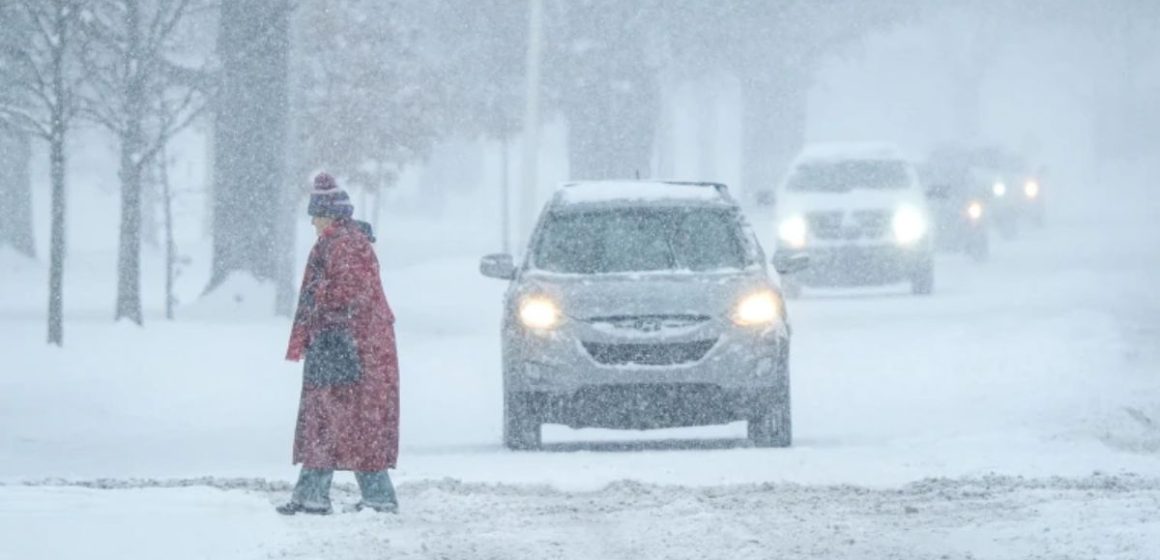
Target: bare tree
[
  {"x": 40, "y": 67},
  {"x": 138, "y": 94}
]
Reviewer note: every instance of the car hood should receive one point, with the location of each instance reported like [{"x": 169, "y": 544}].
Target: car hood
[
  {"x": 592, "y": 297},
  {"x": 793, "y": 203}
]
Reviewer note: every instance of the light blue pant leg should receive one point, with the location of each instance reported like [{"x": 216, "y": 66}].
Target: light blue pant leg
[
  {"x": 377, "y": 490},
  {"x": 313, "y": 488}
]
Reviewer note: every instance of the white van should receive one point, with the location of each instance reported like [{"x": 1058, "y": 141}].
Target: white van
[{"x": 860, "y": 213}]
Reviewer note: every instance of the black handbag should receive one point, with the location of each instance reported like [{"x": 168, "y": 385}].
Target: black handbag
[{"x": 332, "y": 359}]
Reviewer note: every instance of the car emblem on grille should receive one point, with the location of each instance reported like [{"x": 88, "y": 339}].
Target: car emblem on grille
[{"x": 647, "y": 324}]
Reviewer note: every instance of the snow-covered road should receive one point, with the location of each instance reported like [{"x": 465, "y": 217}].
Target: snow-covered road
[
  {"x": 998, "y": 518},
  {"x": 974, "y": 421}
]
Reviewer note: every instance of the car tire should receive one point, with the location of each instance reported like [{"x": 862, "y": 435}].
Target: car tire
[
  {"x": 773, "y": 426},
  {"x": 521, "y": 422},
  {"x": 922, "y": 282}
]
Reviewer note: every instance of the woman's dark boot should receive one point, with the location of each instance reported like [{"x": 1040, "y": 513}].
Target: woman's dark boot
[
  {"x": 291, "y": 508},
  {"x": 388, "y": 508}
]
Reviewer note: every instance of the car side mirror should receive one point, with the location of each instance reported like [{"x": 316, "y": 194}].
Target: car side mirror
[
  {"x": 500, "y": 266},
  {"x": 789, "y": 264}
]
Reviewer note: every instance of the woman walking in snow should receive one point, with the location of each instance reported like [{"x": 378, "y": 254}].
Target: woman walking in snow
[{"x": 348, "y": 418}]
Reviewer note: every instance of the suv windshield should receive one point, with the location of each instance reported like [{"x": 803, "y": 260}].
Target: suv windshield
[
  {"x": 842, "y": 176},
  {"x": 640, "y": 240}
]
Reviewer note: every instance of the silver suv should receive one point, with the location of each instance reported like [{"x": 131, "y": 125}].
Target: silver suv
[{"x": 641, "y": 305}]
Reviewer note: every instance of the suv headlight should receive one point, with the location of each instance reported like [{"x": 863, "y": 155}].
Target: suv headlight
[
  {"x": 760, "y": 308},
  {"x": 793, "y": 231},
  {"x": 909, "y": 224},
  {"x": 539, "y": 312}
]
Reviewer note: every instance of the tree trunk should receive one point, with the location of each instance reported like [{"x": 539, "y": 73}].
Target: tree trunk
[
  {"x": 170, "y": 245},
  {"x": 16, "y": 193},
  {"x": 776, "y": 106},
  {"x": 132, "y": 144},
  {"x": 56, "y": 250},
  {"x": 152, "y": 228},
  {"x": 57, "y": 130},
  {"x": 250, "y": 136},
  {"x": 129, "y": 260}
]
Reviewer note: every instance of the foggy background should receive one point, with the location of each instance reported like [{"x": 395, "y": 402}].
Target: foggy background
[
  {"x": 155, "y": 162},
  {"x": 416, "y": 107}
]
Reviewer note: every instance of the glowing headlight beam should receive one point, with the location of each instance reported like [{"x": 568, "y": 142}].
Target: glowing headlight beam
[
  {"x": 909, "y": 225},
  {"x": 793, "y": 231},
  {"x": 761, "y": 308},
  {"x": 538, "y": 312},
  {"x": 999, "y": 188},
  {"x": 975, "y": 211},
  {"x": 1031, "y": 188}
]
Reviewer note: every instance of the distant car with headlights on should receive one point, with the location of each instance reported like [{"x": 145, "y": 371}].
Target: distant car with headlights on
[
  {"x": 860, "y": 213},
  {"x": 958, "y": 202},
  {"x": 1016, "y": 194},
  {"x": 641, "y": 305}
]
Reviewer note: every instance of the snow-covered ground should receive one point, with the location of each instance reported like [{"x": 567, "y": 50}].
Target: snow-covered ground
[{"x": 1014, "y": 414}]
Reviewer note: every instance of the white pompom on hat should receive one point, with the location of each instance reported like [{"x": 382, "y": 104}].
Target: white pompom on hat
[{"x": 327, "y": 200}]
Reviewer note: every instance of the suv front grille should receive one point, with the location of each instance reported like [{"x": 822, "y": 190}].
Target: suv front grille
[
  {"x": 648, "y": 323},
  {"x": 667, "y": 354},
  {"x": 825, "y": 225},
  {"x": 873, "y": 224},
  {"x": 861, "y": 224}
]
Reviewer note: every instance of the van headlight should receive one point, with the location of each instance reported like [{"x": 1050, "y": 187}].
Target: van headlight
[
  {"x": 539, "y": 312},
  {"x": 792, "y": 231},
  {"x": 759, "y": 308},
  {"x": 909, "y": 225}
]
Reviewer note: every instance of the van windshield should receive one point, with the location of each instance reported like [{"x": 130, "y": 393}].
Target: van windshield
[{"x": 843, "y": 176}]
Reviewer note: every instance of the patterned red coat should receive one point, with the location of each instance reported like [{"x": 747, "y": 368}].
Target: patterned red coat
[{"x": 353, "y": 427}]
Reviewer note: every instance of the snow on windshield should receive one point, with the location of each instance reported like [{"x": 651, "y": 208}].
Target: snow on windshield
[
  {"x": 640, "y": 240},
  {"x": 636, "y": 191}
]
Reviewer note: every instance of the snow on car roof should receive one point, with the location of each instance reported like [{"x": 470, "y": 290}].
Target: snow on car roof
[
  {"x": 635, "y": 191},
  {"x": 829, "y": 151}
]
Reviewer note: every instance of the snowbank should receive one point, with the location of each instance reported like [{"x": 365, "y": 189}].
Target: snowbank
[{"x": 241, "y": 297}]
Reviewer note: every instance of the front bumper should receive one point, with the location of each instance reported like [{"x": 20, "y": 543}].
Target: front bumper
[
  {"x": 585, "y": 377},
  {"x": 862, "y": 264}
]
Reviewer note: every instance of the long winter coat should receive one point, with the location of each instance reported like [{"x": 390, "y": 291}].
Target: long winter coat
[{"x": 353, "y": 427}]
